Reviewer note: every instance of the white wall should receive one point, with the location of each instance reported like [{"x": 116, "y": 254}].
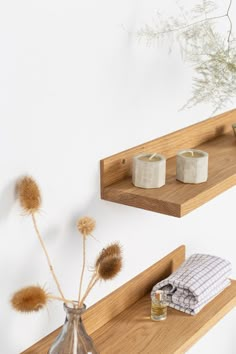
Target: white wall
[{"x": 75, "y": 87}]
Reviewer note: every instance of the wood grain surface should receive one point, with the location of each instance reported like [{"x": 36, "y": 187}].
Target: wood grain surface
[
  {"x": 120, "y": 299},
  {"x": 117, "y": 167},
  {"x": 132, "y": 332},
  {"x": 177, "y": 198}
]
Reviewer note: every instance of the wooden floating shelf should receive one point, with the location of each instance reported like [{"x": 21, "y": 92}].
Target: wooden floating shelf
[
  {"x": 213, "y": 135},
  {"x": 120, "y": 323}
]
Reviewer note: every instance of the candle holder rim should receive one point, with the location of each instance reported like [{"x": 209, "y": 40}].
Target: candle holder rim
[
  {"x": 162, "y": 157},
  {"x": 203, "y": 153}
]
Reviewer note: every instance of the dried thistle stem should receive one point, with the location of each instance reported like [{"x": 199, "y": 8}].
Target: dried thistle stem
[
  {"x": 53, "y": 297},
  {"x": 47, "y": 256},
  {"x": 83, "y": 267},
  {"x": 91, "y": 284}
]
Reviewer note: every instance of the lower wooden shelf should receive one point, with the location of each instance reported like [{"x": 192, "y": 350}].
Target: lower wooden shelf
[
  {"x": 132, "y": 331},
  {"x": 120, "y": 323}
]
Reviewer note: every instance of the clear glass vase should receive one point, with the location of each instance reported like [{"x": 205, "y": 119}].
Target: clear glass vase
[{"x": 73, "y": 338}]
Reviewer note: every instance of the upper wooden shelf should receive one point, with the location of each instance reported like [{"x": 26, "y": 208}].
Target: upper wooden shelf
[
  {"x": 213, "y": 135},
  {"x": 120, "y": 323}
]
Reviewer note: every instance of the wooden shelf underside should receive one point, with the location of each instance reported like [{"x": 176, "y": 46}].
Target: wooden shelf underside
[
  {"x": 176, "y": 198},
  {"x": 213, "y": 135},
  {"x": 120, "y": 323}
]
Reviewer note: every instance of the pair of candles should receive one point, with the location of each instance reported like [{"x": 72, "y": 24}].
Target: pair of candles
[{"x": 149, "y": 170}]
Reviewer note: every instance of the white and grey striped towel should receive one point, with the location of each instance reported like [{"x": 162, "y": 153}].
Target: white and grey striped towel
[{"x": 195, "y": 283}]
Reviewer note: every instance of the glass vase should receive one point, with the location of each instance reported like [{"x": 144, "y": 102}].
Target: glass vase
[{"x": 73, "y": 338}]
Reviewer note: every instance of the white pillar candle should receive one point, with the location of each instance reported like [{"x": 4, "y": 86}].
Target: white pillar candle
[
  {"x": 192, "y": 166},
  {"x": 149, "y": 170}
]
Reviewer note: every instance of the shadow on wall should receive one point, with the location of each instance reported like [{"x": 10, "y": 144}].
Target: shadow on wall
[{"x": 7, "y": 199}]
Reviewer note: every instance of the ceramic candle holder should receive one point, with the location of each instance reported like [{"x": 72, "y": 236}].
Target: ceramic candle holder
[
  {"x": 149, "y": 170},
  {"x": 192, "y": 166}
]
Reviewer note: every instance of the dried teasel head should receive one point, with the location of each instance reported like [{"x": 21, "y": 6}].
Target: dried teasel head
[
  {"x": 86, "y": 225},
  {"x": 114, "y": 249},
  {"x": 29, "y": 299},
  {"x": 29, "y": 195},
  {"x": 109, "y": 267},
  {"x": 109, "y": 262}
]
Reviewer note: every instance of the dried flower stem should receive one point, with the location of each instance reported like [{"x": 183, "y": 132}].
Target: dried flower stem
[
  {"x": 53, "y": 297},
  {"x": 91, "y": 284},
  {"x": 47, "y": 256},
  {"x": 83, "y": 267}
]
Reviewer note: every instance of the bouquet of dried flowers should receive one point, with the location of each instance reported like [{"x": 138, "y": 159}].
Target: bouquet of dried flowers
[{"x": 107, "y": 265}]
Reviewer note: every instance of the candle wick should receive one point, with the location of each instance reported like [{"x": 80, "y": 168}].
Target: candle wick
[
  {"x": 192, "y": 153},
  {"x": 151, "y": 157}
]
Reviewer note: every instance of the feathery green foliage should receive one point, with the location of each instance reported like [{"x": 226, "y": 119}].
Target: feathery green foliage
[{"x": 212, "y": 54}]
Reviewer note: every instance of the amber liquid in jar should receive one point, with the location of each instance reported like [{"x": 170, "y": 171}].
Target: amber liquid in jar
[{"x": 159, "y": 306}]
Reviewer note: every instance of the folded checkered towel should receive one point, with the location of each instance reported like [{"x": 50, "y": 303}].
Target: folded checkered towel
[{"x": 195, "y": 283}]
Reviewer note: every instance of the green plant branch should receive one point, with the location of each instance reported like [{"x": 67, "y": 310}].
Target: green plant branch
[
  {"x": 190, "y": 25},
  {"x": 212, "y": 55},
  {"x": 230, "y": 23},
  {"x": 206, "y": 19}
]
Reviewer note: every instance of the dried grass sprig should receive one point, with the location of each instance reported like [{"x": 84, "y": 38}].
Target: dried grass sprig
[{"x": 29, "y": 195}]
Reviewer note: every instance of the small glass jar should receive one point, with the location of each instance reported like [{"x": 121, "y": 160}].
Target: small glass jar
[{"x": 159, "y": 306}]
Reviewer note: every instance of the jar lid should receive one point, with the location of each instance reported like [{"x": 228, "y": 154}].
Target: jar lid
[{"x": 159, "y": 295}]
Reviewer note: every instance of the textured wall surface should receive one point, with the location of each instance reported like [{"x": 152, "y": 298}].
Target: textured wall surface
[{"x": 76, "y": 86}]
